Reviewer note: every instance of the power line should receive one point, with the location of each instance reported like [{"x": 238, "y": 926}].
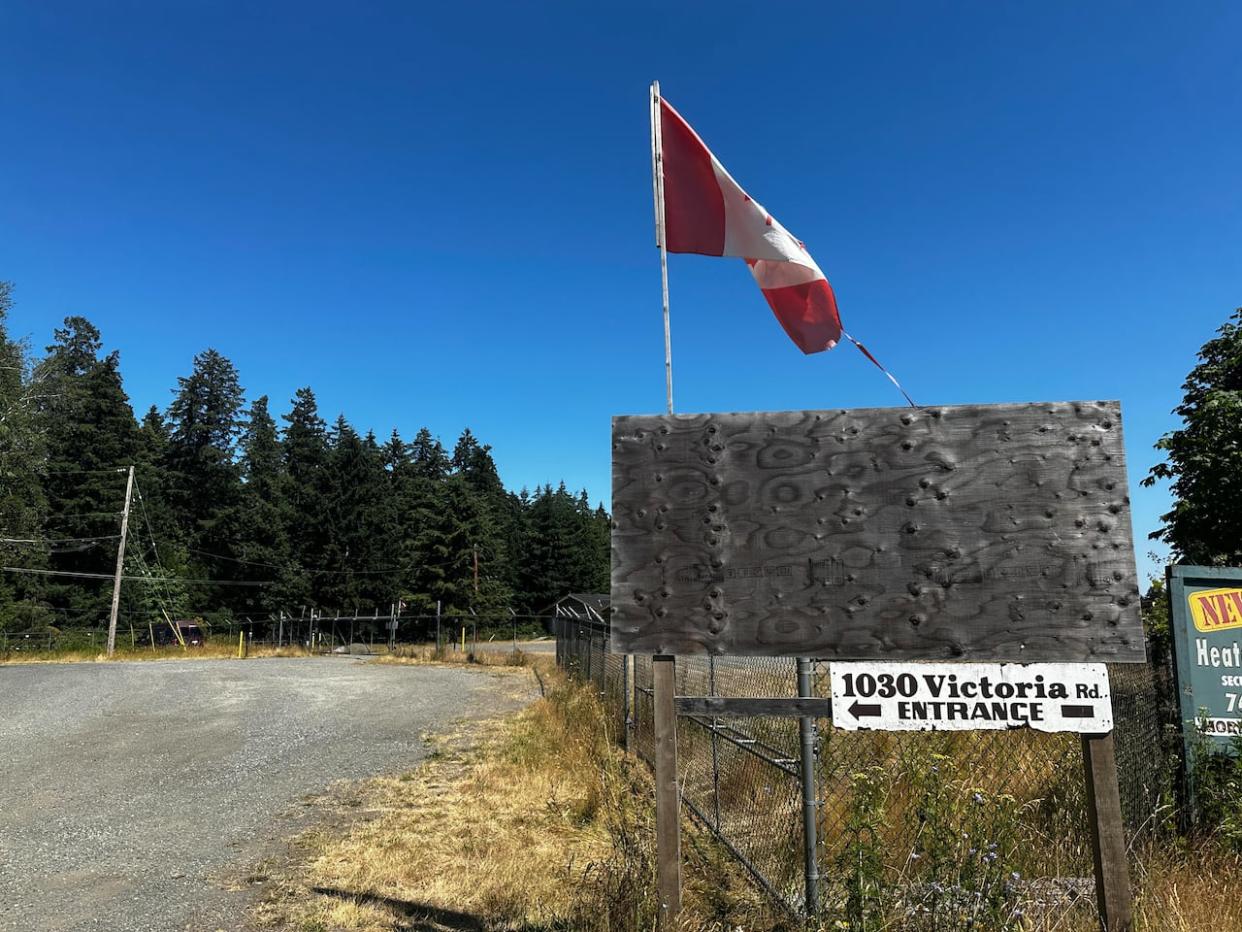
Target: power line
[
  {"x": 85, "y": 514},
  {"x": 56, "y": 540},
  {"x": 165, "y": 603},
  {"x": 152, "y": 579},
  {"x": 142, "y": 504},
  {"x": 82, "y": 472}
]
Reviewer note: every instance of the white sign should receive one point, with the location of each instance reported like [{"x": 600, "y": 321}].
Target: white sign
[{"x": 963, "y": 696}]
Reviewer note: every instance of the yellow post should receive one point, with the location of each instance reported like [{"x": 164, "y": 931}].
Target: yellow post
[
  {"x": 241, "y": 643},
  {"x": 463, "y": 639}
]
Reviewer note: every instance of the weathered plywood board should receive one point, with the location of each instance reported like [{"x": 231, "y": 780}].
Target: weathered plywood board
[{"x": 971, "y": 532}]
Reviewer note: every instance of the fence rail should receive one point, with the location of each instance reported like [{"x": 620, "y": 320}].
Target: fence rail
[{"x": 1006, "y": 808}]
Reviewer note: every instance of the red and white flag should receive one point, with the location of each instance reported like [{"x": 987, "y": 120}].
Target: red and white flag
[{"x": 707, "y": 212}]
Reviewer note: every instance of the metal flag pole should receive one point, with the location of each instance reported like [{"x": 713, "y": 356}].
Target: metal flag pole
[
  {"x": 664, "y": 666},
  {"x": 657, "y": 186}
]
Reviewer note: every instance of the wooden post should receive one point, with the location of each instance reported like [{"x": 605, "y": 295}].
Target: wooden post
[
  {"x": 120, "y": 563},
  {"x": 668, "y": 799},
  {"x": 626, "y": 699},
  {"x": 1108, "y": 843}
]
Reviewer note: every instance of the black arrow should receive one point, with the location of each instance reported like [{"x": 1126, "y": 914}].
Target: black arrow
[
  {"x": 1078, "y": 711},
  {"x": 858, "y": 711}
]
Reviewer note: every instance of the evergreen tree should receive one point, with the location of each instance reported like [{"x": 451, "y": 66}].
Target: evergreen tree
[
  {"x": 91, "y": 439},
  {"x": 1204, "y": 457},
  {"x": 547, "y": 572},
  {"x": 359, "y": 524},
  {"x": 321, "y": 519},
  {"x": 492, "y": 512},
  {"x": 22, "y": 503},
  {"x": 473, "y": 462},
  {"x": 428, "y": 458},
  {"x": 205, "y": 421},
  {"x": 305, "y": 449},
  {"x": 152, "y": 482},
  {"x": 261, "y": 518},
  {"x": 156, "y": 546},
  {"x": 204, "y": 477},
  {"x": 454, "y": 533},
  {"x": 566, "y": 548}
]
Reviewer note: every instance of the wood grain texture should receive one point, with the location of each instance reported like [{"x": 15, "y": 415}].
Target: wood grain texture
[
  {"x": 970, "y": 532},
  {"x": 1108, "y": 837},
  {"x": 668, "y": 796}
]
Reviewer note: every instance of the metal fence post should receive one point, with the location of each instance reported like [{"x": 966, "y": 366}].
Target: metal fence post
[
  {"x": 810, "y": 802},
  {"x": 711, "y": 691}
]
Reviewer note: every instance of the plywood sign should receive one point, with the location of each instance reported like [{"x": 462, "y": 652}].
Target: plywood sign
[{"x": 971, "y": 532}]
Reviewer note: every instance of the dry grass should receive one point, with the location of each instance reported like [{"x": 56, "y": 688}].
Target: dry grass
[
  {"x": 212, "y": 650},
  {"x": 539, "y": 825},
  {"x": 428, "y": 654},
  {"x": 1188, "y": 891},
  {"x": 1176, "y": 890}
]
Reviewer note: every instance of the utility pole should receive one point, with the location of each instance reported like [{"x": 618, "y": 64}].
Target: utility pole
[{"x": 120, "y": 563}]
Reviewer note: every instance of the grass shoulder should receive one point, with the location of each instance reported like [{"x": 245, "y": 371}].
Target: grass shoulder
[{"x": 534, "y": 822}]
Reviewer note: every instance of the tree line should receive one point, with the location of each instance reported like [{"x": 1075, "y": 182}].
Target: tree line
[{"x": 238, "y": 512}]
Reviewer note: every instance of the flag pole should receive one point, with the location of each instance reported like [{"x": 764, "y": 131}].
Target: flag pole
[
  {"x": 664, "y": 666},
  {"x": 657, "y": 185}
]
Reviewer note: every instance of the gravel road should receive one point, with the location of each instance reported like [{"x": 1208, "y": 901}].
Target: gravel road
[{"x": 130, "y": 793}]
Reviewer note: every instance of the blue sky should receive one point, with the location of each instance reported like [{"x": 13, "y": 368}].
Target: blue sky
[{"x": 441, "y": 214}]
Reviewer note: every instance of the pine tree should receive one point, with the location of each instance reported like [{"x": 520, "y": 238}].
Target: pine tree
[
  {"x": 91, "y": 440},
  {"x": 205, "y": 421},
  {"x": 428, "y": 458},
  {"x": 454, "y": 532},
  {"x": 22, "y": 503},
  {"x": 324, "y": 519},
  {"x": 493, "y": 518},
  {"x": 157, "y": 541},
  {"x": 261, "y": 519},
  {"x": 359, "y": 524},
  {"x": 305, "y": 449},
  {"x": 546, "y": 573},
  {"x": 154, "y": 515},
  {"x": 566, "y": 548}
]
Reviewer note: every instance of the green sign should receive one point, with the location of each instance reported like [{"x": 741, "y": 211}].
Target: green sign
[{"x": 1205, "y": 613}]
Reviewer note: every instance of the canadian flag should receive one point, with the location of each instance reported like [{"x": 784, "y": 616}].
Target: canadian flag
[{"x": 707, "y": 212}]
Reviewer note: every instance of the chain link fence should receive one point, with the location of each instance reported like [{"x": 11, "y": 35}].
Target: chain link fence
[
  {"x": 917, "y": 821},
  {"x": 318, "y": 633}
]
